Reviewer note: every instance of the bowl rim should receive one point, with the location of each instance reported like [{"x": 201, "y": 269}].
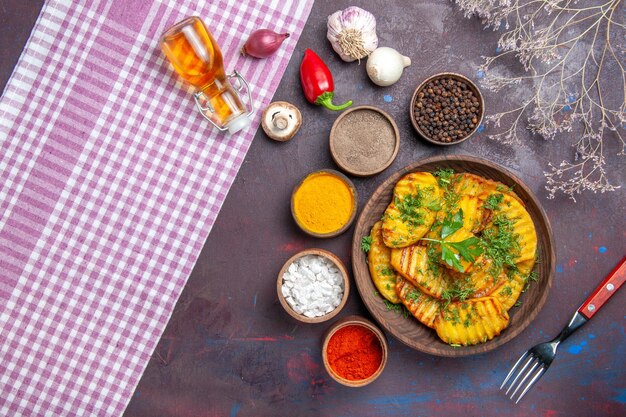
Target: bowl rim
[
  {"x": 548, "y": 256},
  {"x": 355, "y": 203},
  {"x": 470, "y": 83},
  {"x": 396, "y": 148},
  {"x": 344, "y": 274},
  {"x": 359, "y": 321}
]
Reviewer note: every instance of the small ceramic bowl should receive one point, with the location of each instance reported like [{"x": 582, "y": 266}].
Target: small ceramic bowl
[
  {"x": 352, "y": 141},
  {"x": 350, "y": 220},
  {"x": 358, "y": 321},
  {"x": 346, "y": 285},
  {"x": 457, "y": 77}
]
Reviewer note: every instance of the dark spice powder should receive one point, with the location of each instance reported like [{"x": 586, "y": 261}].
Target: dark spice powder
[
  {"x": 364, "y": 141},
  {"x": 447, "y": 110}
]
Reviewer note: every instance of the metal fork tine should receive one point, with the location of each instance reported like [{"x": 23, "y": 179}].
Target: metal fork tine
[
  {"x": 531, "y": 358},
  {"x": 530, "y": 371},
  {"x": 525, "y": 354},
  {"x": 540, "y": 372}
]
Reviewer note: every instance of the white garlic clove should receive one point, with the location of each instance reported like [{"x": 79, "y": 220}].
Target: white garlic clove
[{"x": 385, "y": 66}]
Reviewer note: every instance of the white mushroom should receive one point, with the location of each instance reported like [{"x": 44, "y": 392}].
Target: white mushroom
[{"x": 281, "y": 120}]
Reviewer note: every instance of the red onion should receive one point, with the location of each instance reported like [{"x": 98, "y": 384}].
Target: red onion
[{"x": 263, "y": 43}]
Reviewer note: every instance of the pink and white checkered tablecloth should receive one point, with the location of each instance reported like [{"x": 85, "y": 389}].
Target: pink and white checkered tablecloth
[{"x": 110, "y": 182}]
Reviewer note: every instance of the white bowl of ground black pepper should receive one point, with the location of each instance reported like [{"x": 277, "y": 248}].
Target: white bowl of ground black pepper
[
  {"x": 364, "y": 141},
  {"x": 446, "y": 109},
  {"x": 313, "y": 286}
]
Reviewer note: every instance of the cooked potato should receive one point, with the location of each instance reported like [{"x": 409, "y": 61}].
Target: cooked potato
[
  {"x": 510, "y": 289},
  {"x": 468, "y": 302},
  {"x": 412, "y": 263},
  {"x": 522, "y": 226},
  {"x": 472, "y": 321},
  {"x": 379, "y": 261},
  {"x": 473, "y": 185},
  {"x": 415, "y": 202},
  {"x": 422, "y": 306},
  {"x": 482, "y": 278}
]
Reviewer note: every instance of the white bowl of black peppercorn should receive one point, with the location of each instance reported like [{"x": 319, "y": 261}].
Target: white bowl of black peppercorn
[{"x": 446, "y": 109}]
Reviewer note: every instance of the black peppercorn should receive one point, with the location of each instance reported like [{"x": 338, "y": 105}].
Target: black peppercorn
[{"x": 447, "y": 109}]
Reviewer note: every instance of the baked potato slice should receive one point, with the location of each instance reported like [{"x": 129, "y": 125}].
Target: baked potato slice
[
  {"x": 472, "y": 185},
  {"x": 414, "y": 205},
  {"x": 412, "y": 263},
  {"x": 472, "y": 321},
  {"x": 510, "y": 289},
  {"x": 521, "y": 225},
  {"x": 481, "y": 279},
  {"x": 379, "y": 262},
  {"x": 422, "y": 306}
]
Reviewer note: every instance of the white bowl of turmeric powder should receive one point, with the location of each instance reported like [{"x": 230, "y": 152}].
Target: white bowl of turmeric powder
[{"x": 324, "y": 203}]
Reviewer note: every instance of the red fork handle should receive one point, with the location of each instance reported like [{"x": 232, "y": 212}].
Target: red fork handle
[{"x": 609, "y": 286}]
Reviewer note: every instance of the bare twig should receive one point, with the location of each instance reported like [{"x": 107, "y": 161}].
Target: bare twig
[{"x": 566, "y": 48}]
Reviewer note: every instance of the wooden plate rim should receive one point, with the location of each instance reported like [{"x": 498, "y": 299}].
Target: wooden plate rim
[{"x": 443, "y": 349}]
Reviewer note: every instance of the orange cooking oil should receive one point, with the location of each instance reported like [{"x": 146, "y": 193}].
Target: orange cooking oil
[{"x": 196, "y": 57}]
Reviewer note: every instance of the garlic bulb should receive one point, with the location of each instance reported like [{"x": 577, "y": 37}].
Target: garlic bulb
[
  {"x": 385, "y": 66},
  {"x": 352, "y": 33}
]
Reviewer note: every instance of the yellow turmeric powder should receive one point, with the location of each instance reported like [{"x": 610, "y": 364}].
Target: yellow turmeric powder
[{"x": 323, "y": 203}]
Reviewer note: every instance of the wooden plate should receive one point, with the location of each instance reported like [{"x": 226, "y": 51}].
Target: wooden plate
[{"x": 408, "y": 330}]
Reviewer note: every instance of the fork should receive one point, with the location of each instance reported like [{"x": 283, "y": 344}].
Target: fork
[{"x": 535, "y": 362}]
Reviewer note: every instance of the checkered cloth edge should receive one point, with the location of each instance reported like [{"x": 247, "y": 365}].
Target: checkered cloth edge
[{"x": 110, "y": 182}]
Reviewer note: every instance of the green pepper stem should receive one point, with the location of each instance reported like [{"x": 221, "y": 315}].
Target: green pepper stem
[{"x": 326, "y": 100}]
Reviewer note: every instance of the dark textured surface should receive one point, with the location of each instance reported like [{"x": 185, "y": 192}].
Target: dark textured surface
[{"x": 230, "y": 350}]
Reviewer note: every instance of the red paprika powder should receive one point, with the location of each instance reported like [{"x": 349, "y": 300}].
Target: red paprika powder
[{"x": 354, "y": 352}]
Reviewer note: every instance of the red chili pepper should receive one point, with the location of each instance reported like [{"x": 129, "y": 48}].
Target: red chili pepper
[{"x": 317, "y": 82}]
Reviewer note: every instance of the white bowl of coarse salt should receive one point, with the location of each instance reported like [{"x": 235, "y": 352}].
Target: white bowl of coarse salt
[{"x": 313, "y": 286}]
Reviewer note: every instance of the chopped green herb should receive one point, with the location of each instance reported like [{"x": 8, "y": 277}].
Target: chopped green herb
[
  {"x": 444, "y": 176},
  {"x": 434, "y": 205},
  {"x": 458, "y": 293},
  {"x": 433, "y": 256},
  {"x": 398, "y": 308},
  {"x": 506, "y": 291},
  {"x": 386, "y": 271},
  {"x": 456, "y": 345},
  {"x": 409, "y": 209},
  {"x": 366, "y": 243},
  {"x": 493, "y": 201},
  {"x": 452, "y": 315},
  {"x": 391, "y": 306},
  {"x": 517, "y": 304},
  {"x": 504, "y": 189},
  {"x": 414, "y": 296},
  {"x": 501, "y": 244}
]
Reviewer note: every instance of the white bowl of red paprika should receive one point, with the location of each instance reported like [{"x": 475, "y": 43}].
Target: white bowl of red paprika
[{"x": 354, "y": 351}]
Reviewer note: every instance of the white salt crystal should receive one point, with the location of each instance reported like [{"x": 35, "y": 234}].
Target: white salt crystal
[{"x": 312, "y": 286}]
